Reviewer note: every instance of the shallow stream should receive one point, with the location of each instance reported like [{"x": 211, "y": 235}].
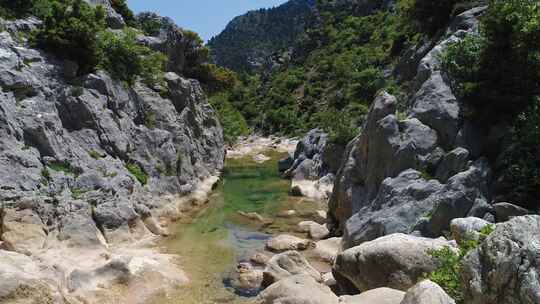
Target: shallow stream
[{"x": 215, "y": 239}]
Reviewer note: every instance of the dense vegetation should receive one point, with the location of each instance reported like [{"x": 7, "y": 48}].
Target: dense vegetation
[
  {"x": 497, "y": 74},
  {"x": 125, "y": 59},
  {"x": 341, "y": 65},
  {"x": 249, "y": 39},
  {"x": 74, "y": 30}
]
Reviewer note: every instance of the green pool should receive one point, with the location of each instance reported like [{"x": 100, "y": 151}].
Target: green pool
[{"x": 213, "y": 241}]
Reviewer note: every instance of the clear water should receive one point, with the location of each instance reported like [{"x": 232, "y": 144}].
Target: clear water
[{"x": 212, "y": 242}]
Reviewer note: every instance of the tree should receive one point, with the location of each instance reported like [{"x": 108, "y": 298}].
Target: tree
[{"x": 69, "y": 30}]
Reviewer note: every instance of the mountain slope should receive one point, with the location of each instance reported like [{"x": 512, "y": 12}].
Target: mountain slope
[{"x": 249, "y": 39}]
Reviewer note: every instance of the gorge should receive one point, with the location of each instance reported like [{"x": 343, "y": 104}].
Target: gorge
[{"x": 372, "y": 152}]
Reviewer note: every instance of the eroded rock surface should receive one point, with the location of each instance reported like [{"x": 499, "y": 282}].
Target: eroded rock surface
[
  {"x": 88, "y": 162},
  {"x": 397, "y": 261},
  {"x": 505, "y": 267}
]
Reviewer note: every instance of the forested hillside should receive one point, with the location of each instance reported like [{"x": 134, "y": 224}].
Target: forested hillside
[
  {"x": 248, "y": 40},
  {"x": 359, "y": 48}
]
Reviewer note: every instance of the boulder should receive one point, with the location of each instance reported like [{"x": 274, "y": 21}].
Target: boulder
[
  {"x": 288, "y": 264},
  {"x": 399, "y": 205},
  {"x": 314, "y": 165},
  {"x": 505, "y": 211},
  {"x": 396, "y": 261},
  {"x": 505, "y": 267},
  {"x": 298, "y": 289},
  {"x": 381, "y": 295},
  {"x": 327, "y": 250},
  {"x": 78, "y": 229},
  {"x": 285, "y": 242},
  {"x": 315, "y": 231},
  {"x": 260, "y": 259},
  {"x": 459, "y": 196},
  {"x": 427, "y": 292},
  {"x": 466, "y": 229},
  {"x": 285, "y": 164},
  {"x": 443, "y": 115},
  {"x": 453, "y": 162},
  {"x": 246, "y": 280},
  {"x": 329, "y": 280}
]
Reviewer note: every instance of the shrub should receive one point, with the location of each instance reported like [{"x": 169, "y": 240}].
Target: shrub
[
  {"x": 126, "y": 60},
  {"x": 429, "y": 15},
  {"x": 511, "y": 60},
  {"x": 215, "y": 79},
  {"x": 121, "y": 7},
  {"x": 522, "y": 160},
  {"x": 23, "y": 8},
  {"x": 69, "y": 31},
  {"x": 95, "y": 154},
  {"x": 137, "y": 172},
  {"x": 462, "y": 60},
  {"x": 340, "y": 126},
  {"x": 234, "y": 124},
  {"x": 447, "y": 275}
]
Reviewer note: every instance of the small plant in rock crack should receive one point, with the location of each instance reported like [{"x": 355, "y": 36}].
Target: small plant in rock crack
[
  {"x": 77, "y": 193},
  {"x": 95, "y": 154},
  {"x": 137, "y": 172},
  {"x": 46, "y": 176}
]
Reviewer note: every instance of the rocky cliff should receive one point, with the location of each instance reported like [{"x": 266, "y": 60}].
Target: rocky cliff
[
  {"x": 90, "y": 163},
  {"x": 413, "y": 173}
]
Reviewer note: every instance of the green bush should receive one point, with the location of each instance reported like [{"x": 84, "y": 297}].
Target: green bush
[
  {"x": 63, "y": 167},
  {"x": 121, "y": 7},
  {"x": 522, "y": 160},
  {"x": 137, "y": 172},
  {"x": 462, "y": 60},
  {"x": 69, "y": 31},
  {"x": 510, "y": 74},
  {"x": 23, "y": 8},
  {"x": 234, "y": 124},
  {"x": 340, "y": 126},
  {"x": 213, "y": 78},
  {"x": 127, "y": 60},
  {"x": 447, "y": 275}
]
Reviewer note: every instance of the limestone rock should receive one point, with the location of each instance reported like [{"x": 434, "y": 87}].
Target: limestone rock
[
  {"x": 327, "y": 250},
  {"x": 22, "y": 280},
  {"x": 381, "y": 295},
  {"x": 505, "y": 267},
  {"x": 427, "y": 292},
  {"x": 22, "y": 231},
  {"x": 396, "y": 261},
  {"x": 299, "y": 289},
  {"x": 288, "y": 264},
  {"x": 505, "y": 211},
  {"x": 399, "y": 205},
  {"x": 453, "y": 162},
  {"x": 314, "y": 165},
  {"x": 385, "y": 148},
  {"x": 315, "y": 231},
  {"x": 246, "y": 280},
  {"x": 465, "y": 229},
  {"x": 285, "y": 242}
]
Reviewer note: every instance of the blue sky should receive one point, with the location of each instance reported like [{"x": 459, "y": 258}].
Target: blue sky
[{"x": 206, "y": 17}]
